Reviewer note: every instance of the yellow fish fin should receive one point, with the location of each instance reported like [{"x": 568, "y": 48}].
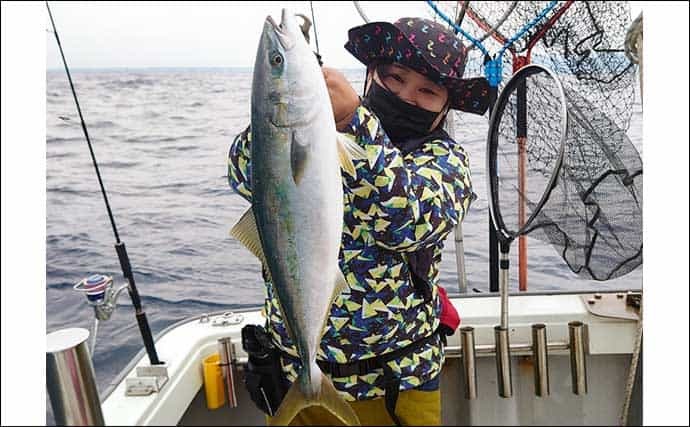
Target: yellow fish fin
[
  {"x": 246, "y": 232},
  {"x": 348, "y": 150},
  {"x": 295, "y": 400}
]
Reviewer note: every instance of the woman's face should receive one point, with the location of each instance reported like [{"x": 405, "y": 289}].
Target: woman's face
[{"x": 411, "y": 87}]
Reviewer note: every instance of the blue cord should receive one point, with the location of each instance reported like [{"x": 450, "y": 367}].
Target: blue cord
[
  {"x": 527, "y": 27},
  {"x": 457, "y": 28},
  {"x": 493, "y": 69}
]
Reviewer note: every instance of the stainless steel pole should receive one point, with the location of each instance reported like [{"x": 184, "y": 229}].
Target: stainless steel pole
[
  {"x": 457, "y": 231},
  {"x": 70, "y": 379},
  {"x": 469, "y": 361},
  {"x": 578, "y": 360},
  {"x": 540, "y": 353}
]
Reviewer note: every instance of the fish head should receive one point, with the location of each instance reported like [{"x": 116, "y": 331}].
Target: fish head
[{"x": 284, "y": 72}]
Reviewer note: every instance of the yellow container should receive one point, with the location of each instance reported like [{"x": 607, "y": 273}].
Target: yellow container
[{"x": 213, "y": 382}]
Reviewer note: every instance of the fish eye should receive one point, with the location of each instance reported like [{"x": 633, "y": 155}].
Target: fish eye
[{"x": 276, "y": 59}]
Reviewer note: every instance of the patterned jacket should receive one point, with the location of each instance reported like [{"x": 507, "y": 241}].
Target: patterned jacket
[{"x": 396, "y": 204}]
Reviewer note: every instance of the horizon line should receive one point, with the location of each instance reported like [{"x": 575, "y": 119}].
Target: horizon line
[{"x": 172, "y": 67}]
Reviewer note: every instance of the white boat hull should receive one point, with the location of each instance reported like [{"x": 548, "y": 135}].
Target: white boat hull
[{"x": 610, "y": 347}]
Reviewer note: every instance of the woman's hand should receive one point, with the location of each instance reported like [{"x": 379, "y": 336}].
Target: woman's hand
[{"x": 344, "y": 99}]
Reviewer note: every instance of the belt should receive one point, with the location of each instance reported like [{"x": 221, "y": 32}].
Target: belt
[{"x": 365, "y": 366}]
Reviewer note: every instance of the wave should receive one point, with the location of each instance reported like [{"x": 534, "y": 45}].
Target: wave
[
  {"x": 182, "y": 147},
  {"x": 134, "y": 83},
  {"x": 119, "y": 164},
  {"x": 184, "y": 250},
  {"x": 148, "y": 139},
  {"x": 59, "y": 155},
  {"x": 58, "y": 140},
  {"x": 101, "y": 124},
  {"x": 64, "y": 190},
  {"x": 192, "y": 302}
]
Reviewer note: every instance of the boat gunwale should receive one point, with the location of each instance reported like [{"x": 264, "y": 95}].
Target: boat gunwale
[{"x": 131, "y": 365}]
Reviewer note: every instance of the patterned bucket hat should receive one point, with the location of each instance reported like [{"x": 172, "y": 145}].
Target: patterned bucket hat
[{"x": 426, "y": 47}]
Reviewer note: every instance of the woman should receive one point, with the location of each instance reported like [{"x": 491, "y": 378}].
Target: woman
[{"x": 382, "y": 345}]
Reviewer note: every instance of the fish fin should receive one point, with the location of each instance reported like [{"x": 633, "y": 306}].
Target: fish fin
[
  {"x": 299, "y": 155},
  {"x": 340, "y": 284},
  {"x": 348, "y": 150},
  {"x": 355, "y": 150},
  {"x": 248, "y": 234},
  {"x": 331, "y": 400},
  {"x": 295, "y": 400}
]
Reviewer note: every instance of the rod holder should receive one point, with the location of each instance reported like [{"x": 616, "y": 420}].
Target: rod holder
[
  {"x": 468, "y": 361},
  {"x": 503, "y": 369},
  {"x": 540, "y": 352},
  {"x": 578, "y": 364},
  {"x": 70, "y": 379},
  {"x": 227, "y": 360}
]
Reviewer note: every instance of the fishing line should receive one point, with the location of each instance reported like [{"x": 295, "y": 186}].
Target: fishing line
[
  {"x": 119, "y": 245},
  {"x": 316, "y": 34},
  {"x": 365, "y": 18}
]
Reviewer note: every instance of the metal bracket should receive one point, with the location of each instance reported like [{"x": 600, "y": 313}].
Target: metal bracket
[
  {"x": 616, "y": 306},
  {"x": 149, "y": 379},
  {"x": 228, "y": 319}
]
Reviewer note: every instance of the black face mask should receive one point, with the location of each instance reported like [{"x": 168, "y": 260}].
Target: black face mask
[{"x": 400, "y": 120}]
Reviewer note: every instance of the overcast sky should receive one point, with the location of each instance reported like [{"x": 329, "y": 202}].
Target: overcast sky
[{"x": 199, "y": 34}]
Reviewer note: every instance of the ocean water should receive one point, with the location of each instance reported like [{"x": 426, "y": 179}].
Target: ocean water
[{"x": 161, "y": 139}]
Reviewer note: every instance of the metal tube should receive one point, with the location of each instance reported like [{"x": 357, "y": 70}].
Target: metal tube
[
  {"x": 541, "y": 360},
  {"x": 227, "y": 359},
  {"x": 468, "y": 361},
  {"x": 503, "y": 369},
  {"x": 460, "y": 258},
  {"x": 578, "y": 365},
  {"x": 70, "y": 379},
  {"x": 504, "y": 286}
]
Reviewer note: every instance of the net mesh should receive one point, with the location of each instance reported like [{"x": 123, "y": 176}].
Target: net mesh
[
  {"x": 579, "y": 163},
  {"x": 593, "y": 209},
  {"x": 586, "y": 46},
  {"x": 583, "y": 41}
]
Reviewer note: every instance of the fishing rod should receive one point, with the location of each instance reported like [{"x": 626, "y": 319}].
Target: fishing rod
[{"x": 119, "y": 245}]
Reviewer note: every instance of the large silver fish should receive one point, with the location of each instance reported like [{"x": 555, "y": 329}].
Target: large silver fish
[{"x": 297, "y": 202}]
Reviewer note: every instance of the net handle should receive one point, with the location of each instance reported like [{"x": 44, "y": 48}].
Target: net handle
[{"x": 492, "y": 148}]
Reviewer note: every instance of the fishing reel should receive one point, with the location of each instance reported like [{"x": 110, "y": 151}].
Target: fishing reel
[{"x": 98, "y": 289}]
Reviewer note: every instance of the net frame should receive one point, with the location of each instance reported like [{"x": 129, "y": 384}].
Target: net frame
[
  {"x": 507, "y": 236},
  {"x": 519, "y": 60},
  {"x": 493, "y": 69},
  {"x": 592, "y": 216}
]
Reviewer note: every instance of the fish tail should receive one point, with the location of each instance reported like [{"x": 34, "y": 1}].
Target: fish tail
[{"x": 295, "y": 400}]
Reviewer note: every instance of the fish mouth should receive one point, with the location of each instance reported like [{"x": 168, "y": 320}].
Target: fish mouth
[
  {"x": 281, "y": 30},
  {"x": 276, "y": 27}
]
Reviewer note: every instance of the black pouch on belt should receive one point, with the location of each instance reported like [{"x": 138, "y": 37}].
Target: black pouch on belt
[{"x": 264, "y": 376}]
